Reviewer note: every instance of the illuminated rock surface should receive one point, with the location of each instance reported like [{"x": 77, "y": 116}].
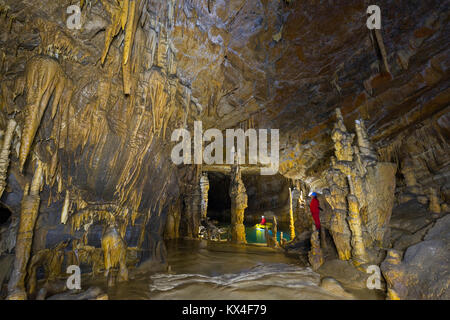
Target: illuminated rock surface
[{"x": 86, "y": 118}]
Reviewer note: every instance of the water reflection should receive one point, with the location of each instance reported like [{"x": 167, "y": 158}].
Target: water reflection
[{"x": 202, "y": 270}]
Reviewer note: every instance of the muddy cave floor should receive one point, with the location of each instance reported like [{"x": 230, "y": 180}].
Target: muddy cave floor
[{"x": 207, "y": 270}]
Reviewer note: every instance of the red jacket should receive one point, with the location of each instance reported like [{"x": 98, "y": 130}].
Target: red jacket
[
  {"x": 315, "y": 211},
  {"x": 263, "y": 221},
  {"x": 314, "y": 206}
]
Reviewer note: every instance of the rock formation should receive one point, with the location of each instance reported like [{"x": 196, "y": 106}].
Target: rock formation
[
  {"x": 115, "y": 254},
  {"x": 421, "y": 271},
  {"x": 364, "y": 200},
  {"x": 238, "y": 197},
  {"x": 4, "y": 153},
  {"x": 87, "y": 114},
  {"x": 315, "y": 255},
  {"x": 28, "y": 216},
  {"x": 204, "y": 187}
]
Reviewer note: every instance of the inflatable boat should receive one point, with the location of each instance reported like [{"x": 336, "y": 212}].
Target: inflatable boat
[{"x": 263, "y": 226}]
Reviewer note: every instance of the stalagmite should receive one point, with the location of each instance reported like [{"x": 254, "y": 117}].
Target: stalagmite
[
  {"x": 28, "y": 216},
  {"x": 193, "y": 211},
  {"x": 409, "y": 173},
  {"x": 435, "y": 206},
  {"x": 173, "y": 221},
  {"x": 359, "y": 255},
  {"x": 364, "y": 145},
  {"x": 315, "y": 255},
  {"x": 204, "y": 186},
  {"x": 238, "y": 197},
  {"x": 336, "y": 197},
  {"x": 115, "y": 254},
  {"x": 291, "y": 215},
  {"x": 275, "y": 231},
  {"x": 4, "y": 154},
  {"x": 51, "y": 260}
]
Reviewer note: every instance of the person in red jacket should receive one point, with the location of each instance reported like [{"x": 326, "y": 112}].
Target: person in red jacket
[
  {"x": 315, "y": 208},
  {"x": 263, "y": 221}
]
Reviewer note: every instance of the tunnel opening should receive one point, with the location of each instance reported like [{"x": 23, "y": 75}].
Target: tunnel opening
[
  {"x": 5, "y": 214},
  {"x": 219, "y": 202},
  {"x": 267, "y": 196}
]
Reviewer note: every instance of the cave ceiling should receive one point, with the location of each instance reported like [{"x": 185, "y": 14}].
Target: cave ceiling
[{"x": 236, "y": 63}]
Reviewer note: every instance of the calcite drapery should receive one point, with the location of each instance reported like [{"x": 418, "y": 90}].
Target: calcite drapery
[
  {"x": 45, "y": 80},
  {"x": 28, "y": 216},
  {"x": 4, "y": 153},
  {"x": 239, "y": 199}
]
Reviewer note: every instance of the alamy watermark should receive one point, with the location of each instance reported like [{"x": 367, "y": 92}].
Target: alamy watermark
[
  {"x": 74, "y": 281},
  {"x": 213, "y": 152},
  {"x": 374, "y": 20},
  {"x": 374, "y": 281}
]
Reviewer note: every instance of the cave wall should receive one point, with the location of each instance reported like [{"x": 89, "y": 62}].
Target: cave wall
[{"x": 97, "y": 106}]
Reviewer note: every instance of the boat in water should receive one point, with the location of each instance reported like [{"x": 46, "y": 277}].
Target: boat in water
[{"x": 268, "y": 225}]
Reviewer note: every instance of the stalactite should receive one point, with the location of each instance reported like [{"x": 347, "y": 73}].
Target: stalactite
[
  {"x": 28, "y": 216},
  {"x": 382, "y": 48},
  {"x": 4, "y": 153},
  {"x": 65, "y": 210},
  {"x": 44, "y": 80}
]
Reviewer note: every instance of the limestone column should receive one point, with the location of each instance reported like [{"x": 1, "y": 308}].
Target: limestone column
[
  {"x": 315, "y": 255},
  {"x": 359, "y": 255},
  {"x": 192, "y": 212},
  {"x": 28, "y": 216},
  {"x": 336, "y": 197},
  {"x": 204, "y": 187},
  {"x": 4, "y": 153},
  {"x": 239, "y": 199},
  {"x": 291, "y": 215}
]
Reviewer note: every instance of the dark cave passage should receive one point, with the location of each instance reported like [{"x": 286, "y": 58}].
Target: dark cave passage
[
  {"x": 5, "y": 214},
  {"x": 219, "y": 202}
]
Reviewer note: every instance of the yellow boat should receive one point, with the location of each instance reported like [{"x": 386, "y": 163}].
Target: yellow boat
[{"x": 263, "y": 226}]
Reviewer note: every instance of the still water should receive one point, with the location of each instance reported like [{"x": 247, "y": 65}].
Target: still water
[
  {"x": 257, "y": 235},
  {"x": 202, "y": 270}
]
